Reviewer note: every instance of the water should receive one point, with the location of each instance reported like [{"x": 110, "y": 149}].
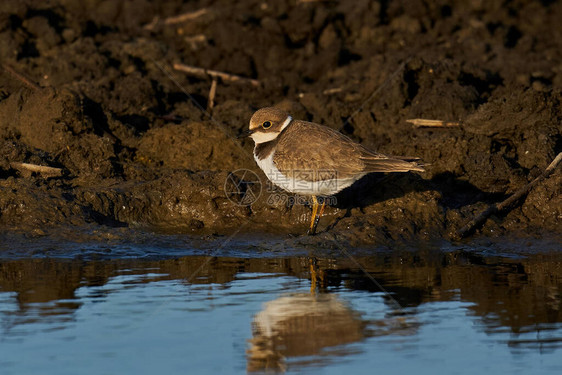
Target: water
[{"x": 434, "y": 311}]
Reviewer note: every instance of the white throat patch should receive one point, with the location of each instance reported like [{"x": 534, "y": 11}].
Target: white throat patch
[{"x": 261, "y": 137}]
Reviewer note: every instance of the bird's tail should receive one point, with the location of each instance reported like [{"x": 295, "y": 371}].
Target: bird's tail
[{"x": 393, "y": 164}]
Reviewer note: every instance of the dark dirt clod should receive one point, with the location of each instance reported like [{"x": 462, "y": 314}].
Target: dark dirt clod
[{"x": 136, "y": 150}]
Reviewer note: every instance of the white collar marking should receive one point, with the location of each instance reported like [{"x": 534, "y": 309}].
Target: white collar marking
[{"x": 286, "y": 123}]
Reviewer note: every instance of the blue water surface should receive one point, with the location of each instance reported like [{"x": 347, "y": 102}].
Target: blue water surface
[{"x": 144, "y": 320}]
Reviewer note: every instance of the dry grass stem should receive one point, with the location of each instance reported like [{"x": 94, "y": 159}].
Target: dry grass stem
[
  {"x": 175, "y": 19},
  {"x": 332, "y": 91},
  {"x": 312, "y": 1},
  {"x": 185, "y": 17},
  {"x": 494, "y": 208},
  {"x": 424, "y": 123},
  {"x": 201, "y": 72},
  {"x": 46, "y": 171},
  {"x": 28, "y": 82},
  {"x": 194, "y": 40},
  {"x": 212, "y": 92}
]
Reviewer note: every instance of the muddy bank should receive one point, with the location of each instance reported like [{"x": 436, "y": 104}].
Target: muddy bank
[{"x": 132, "y": 147}]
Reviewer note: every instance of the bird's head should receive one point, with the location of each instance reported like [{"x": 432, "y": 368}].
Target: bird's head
[{"x": 266, "y": 124}]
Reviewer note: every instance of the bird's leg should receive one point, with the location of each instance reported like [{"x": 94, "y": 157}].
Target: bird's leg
[
  {"x": 322, "y": 277},
  {"x": 317, "y": 218},
  {"x": 322, "y": 208},
  {"x": 312, "y": 228}
]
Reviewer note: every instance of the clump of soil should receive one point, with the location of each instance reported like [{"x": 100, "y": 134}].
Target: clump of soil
[{"x": 88, "y": 88}]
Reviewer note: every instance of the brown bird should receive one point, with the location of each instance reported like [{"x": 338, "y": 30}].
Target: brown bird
[{"x": 314, "y": 160}]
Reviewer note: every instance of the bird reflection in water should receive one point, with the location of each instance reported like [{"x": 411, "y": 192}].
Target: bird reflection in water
[
  {"x": 303, "y": 324},
  {"x": 300, "y": 325}
]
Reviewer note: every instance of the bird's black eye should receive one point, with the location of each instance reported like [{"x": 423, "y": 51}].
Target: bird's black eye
[{"x": 266, "y": 125}]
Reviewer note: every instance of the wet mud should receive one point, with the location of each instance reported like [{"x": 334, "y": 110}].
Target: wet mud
[{"x": 88, "y": 88}]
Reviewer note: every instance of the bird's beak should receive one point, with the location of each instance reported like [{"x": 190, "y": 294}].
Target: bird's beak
[{"x": 246, "y": 133}]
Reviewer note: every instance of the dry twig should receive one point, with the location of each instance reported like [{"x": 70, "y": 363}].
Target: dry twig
[
  {"x": 176, "y": 19},
  {"x": 312, "y": 1},
  {"x": 212, "y": 92},
  {"x": 152, "y": 25},
  {"x": 30, "y": 168},
  {"x": 424, "y": 123},
  {"x": 494, "y": 208},
  {"x": 185, "y": 17},
  {"x": 332, "y": 91},
  {"x": 201, "y": 72},
  {"x": 194, "y": 40},
  {"x": 28, "y": 82}
]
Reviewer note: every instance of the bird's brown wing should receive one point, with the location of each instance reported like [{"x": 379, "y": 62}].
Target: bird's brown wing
[{"x": 313, "y": 152}]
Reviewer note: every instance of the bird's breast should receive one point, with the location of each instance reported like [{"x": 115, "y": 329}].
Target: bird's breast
[
  {"x": 266, "y": 164},
  {"x": 295, "y": 185}
]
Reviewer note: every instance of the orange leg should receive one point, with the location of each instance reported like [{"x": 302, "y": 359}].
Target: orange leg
[
  {"x": 317, "y": 276},
  {"x": 317, "y": 218},
  {"x": 312, "y": 228},
  {"x": 322, "y": 208}
]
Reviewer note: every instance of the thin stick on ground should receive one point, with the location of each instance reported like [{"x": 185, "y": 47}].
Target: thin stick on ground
[
  {"x": 201, "y": 72},
  {"x": 335, "y": 90},
  {"x": 176, "y": 19},
  {"x": 185, "y": 17},
  {"x": 312, "y": 1},
  {"x": 28, "y": 82},
  {"x": 424, "y": 123},
  {"x": 47, "y": 171},
  {"x": 195, "y": 40},
  {"x": 494, "y": 208},
  {"x": 212, "y": 93}
]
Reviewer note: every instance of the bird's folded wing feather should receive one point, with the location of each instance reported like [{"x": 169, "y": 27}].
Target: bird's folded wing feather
[{"x": 313, "y": 152}]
